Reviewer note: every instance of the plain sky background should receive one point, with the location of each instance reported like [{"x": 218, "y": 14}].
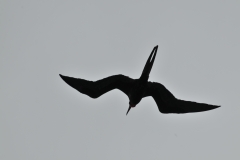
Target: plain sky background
[{"x": 42, "y": 118}]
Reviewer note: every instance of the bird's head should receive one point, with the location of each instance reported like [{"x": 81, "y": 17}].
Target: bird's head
[
  {"x": 134, "y": 100},
  {"x": 130, "y": 106}
]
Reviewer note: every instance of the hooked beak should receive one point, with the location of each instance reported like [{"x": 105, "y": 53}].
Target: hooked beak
[{"x": 128, "y": 109}]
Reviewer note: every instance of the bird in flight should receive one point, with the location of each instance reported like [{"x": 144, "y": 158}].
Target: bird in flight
[{"x": 136, "y": 89}]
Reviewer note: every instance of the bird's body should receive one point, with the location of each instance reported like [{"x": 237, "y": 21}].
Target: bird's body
[{"x": 136, "y": 89}]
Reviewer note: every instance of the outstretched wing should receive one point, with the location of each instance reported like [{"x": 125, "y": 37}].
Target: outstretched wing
[
  {"x": 98, "y": 88},
  {"x": 167, "y": 103}
]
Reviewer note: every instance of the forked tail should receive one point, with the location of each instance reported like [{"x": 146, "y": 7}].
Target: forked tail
[{"x": 149, "y": 64}]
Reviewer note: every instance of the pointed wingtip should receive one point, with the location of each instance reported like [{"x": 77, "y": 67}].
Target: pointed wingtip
[
  {"x": 213, "y": 107},
  {"x": 62, "y": 76},
  {"x": 156, "y": 48},
  {"x": 217, "y": 107}
]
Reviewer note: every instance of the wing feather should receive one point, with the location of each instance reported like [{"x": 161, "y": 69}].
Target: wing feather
[
  {"x": 167, "y": 103},
  {"x": 95, "y": 89}
]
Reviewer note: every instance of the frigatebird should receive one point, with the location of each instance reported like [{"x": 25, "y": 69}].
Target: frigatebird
[{"x": 136, "y": 89}]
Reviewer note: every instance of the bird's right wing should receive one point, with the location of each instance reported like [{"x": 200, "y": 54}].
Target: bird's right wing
[
  {"x": 98, "y": 88},
  {"x": 167, "y": 103}
]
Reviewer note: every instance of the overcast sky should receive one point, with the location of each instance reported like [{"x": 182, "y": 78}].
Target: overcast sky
[{"x": 42, "y": 118}]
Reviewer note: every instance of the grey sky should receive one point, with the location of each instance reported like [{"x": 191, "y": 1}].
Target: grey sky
[{"x": 41, "y": 117}]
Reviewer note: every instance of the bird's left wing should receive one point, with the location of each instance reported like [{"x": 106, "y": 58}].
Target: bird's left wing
[
  {"x": 167, "y": 103},
  {"x": 95, "y": 89}
]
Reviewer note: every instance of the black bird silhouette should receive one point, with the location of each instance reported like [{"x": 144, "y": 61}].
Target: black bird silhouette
[{"x": 136, "y": 89}]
